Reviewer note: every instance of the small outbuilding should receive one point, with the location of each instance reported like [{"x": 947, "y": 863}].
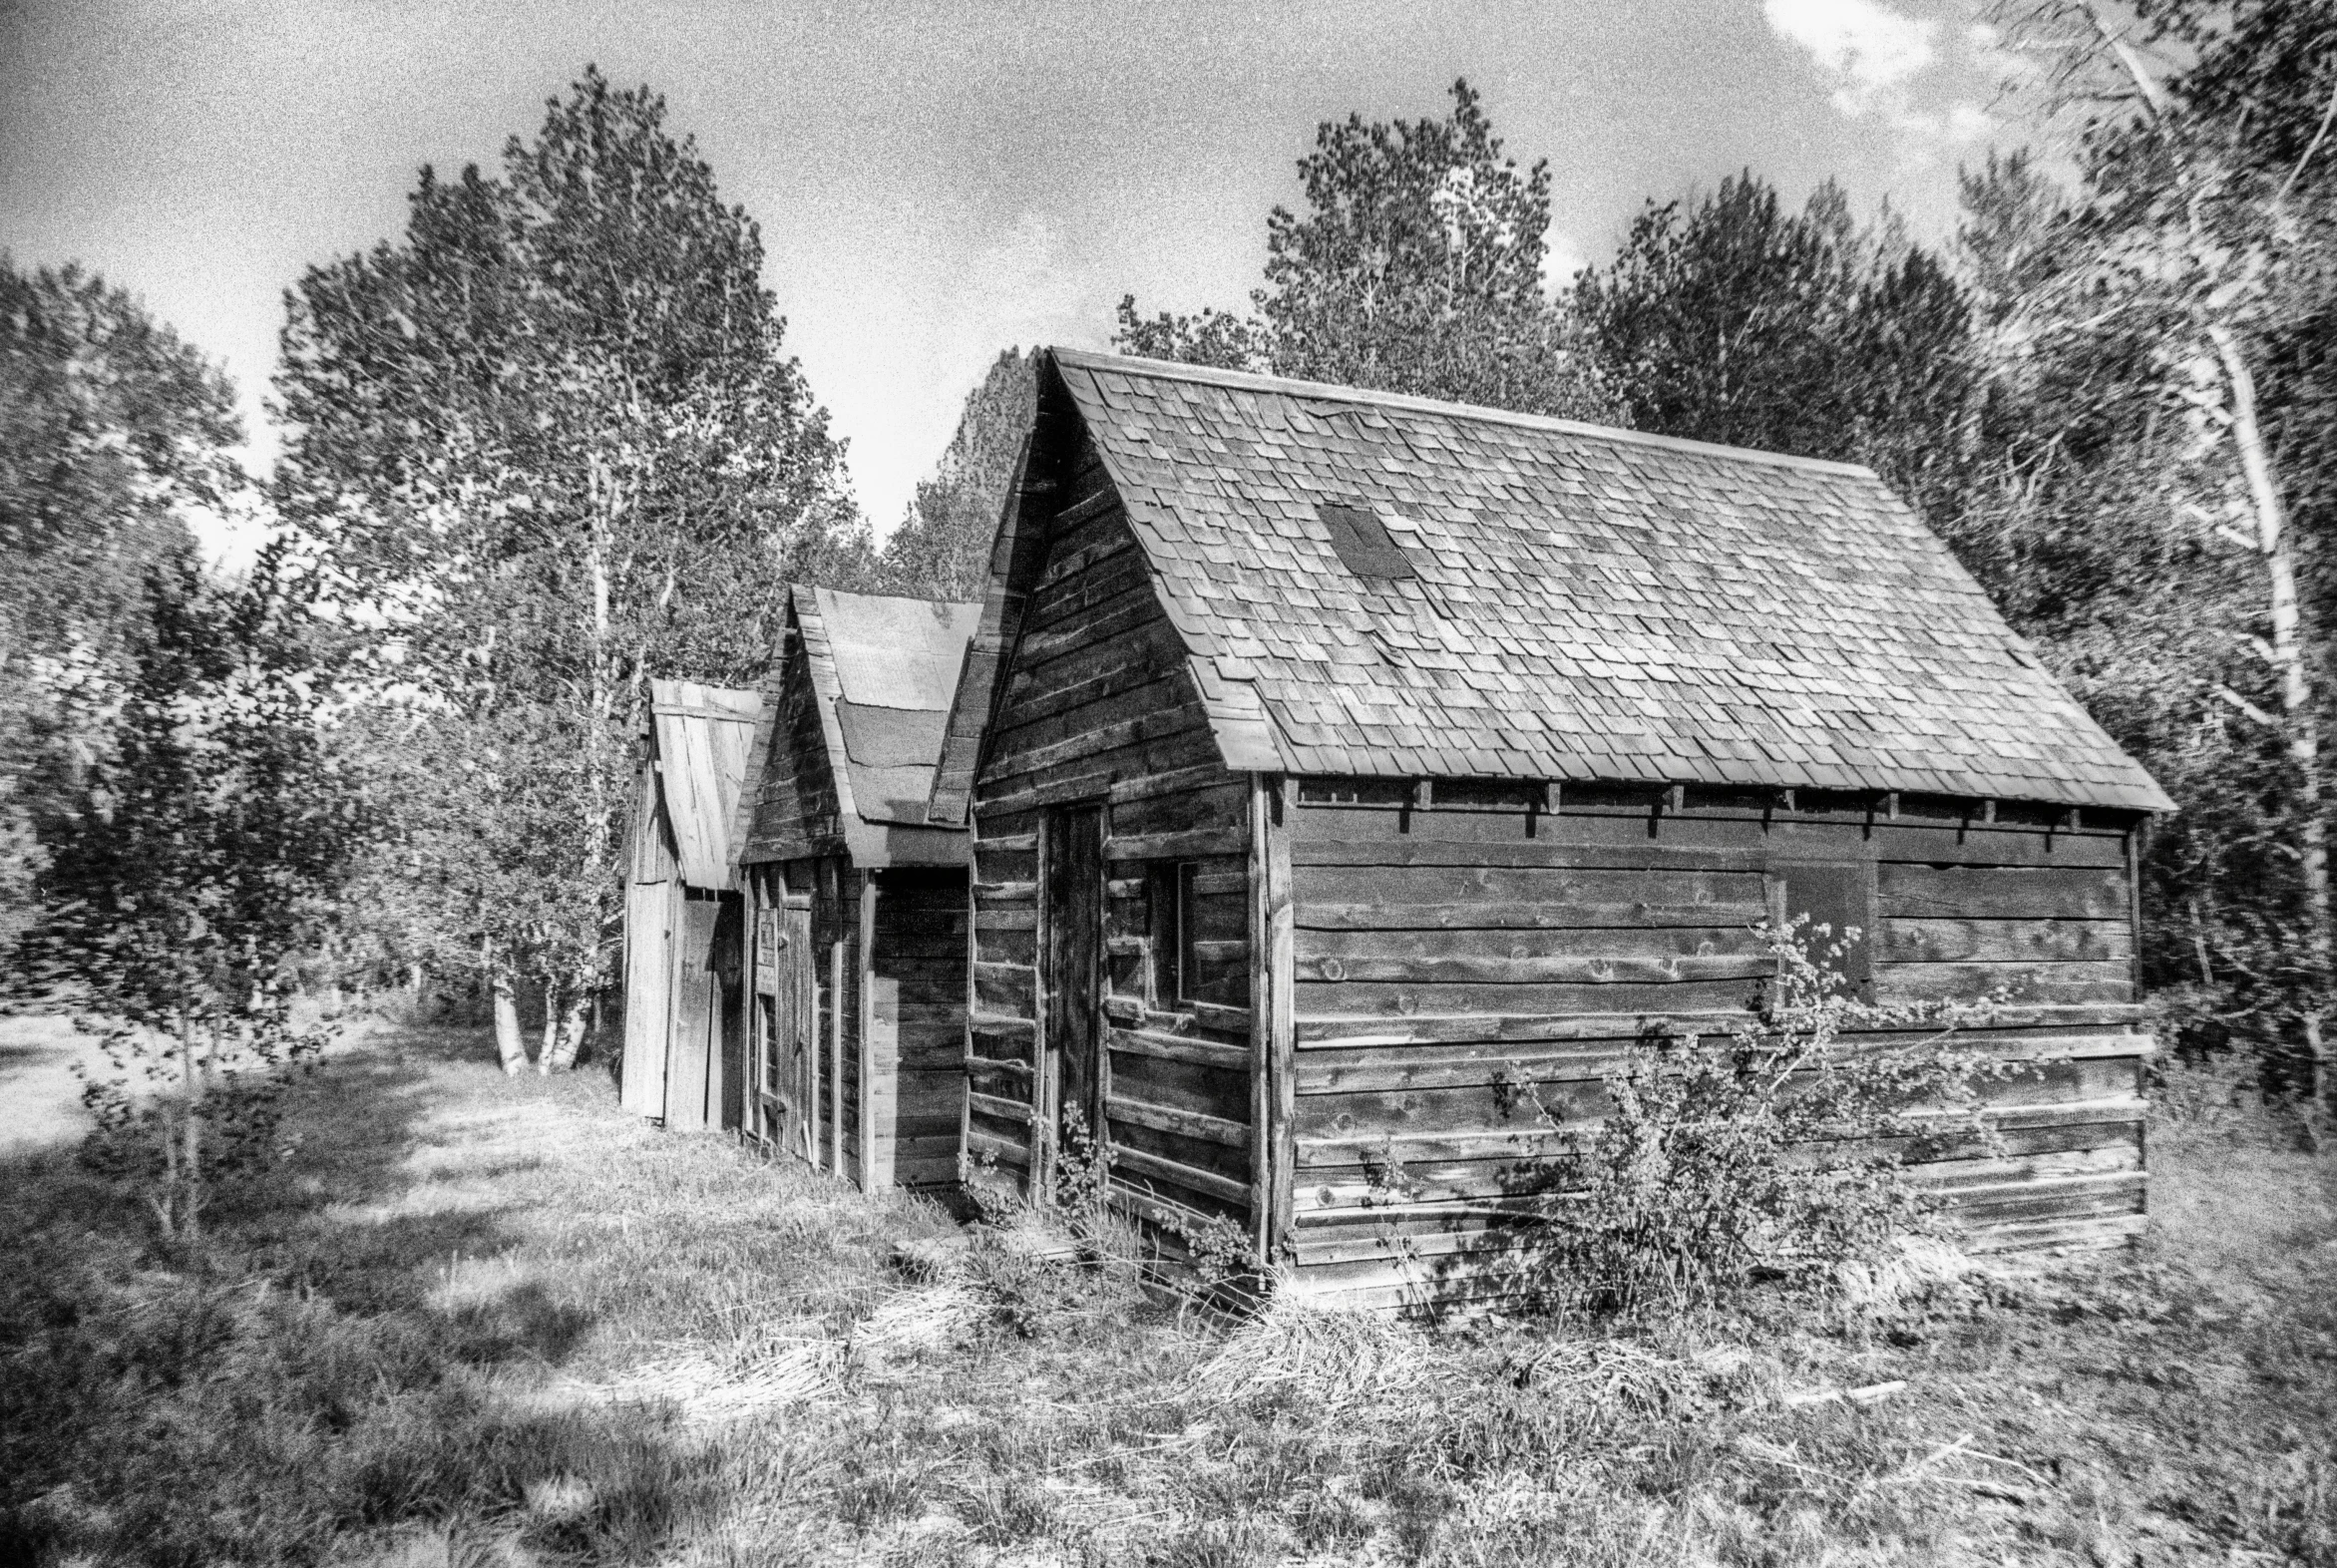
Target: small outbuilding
[
  {"x": 856, "y": 903},
  {"x": 682, "y": 913},
  {"x": 1350, "y": 775}
]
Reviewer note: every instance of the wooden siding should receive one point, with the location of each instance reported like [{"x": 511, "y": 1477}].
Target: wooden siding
[
  {"x": 887, "y": 1011},
  {"x": 790, "y": 779},
  {"x": 1094, "y": 706},
  {"x": 917, "y": 1031},
  {"x": 1460, "y": 971}
]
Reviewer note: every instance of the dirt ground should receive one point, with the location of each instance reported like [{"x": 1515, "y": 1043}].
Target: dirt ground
[{"x": 476, "y": 1321}]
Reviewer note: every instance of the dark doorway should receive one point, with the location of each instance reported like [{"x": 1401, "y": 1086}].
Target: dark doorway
[{"x": 1073, "y": 932}]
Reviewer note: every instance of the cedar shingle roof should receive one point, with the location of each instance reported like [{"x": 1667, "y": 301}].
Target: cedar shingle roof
[{"x": 1588, "y": 604}]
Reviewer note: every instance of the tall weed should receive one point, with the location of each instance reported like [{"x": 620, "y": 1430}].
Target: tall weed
[{"x": 1774, "y": 1152}]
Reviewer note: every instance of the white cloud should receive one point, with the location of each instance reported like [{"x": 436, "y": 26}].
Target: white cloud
[
  {"x": 1869, "y": 49},
  {"x": 1872, "y": 55}
]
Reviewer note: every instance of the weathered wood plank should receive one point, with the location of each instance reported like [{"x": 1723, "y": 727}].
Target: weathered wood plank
[
  {"x": 1202, "y": 776},
  {"x": 993, "y": 920},
  {"x": 1335, "y": 1070},
  {"x": 2001, "y": 893},
  {"x": 1184, "y": 1123},
  {"x": 1187, "y": 843},
  {"x": 1406, "y": 1001},
  {"x": 1505, "y": 916},
  {"x": 1627, "y": 855},
  {"x": 1896, "y": 984},
  {"x": 1322, "y": 1031},
  {"x": 1225, "y": 1189},
  {"x": 1180, "y": 1047},
  {"x": 1013, "y": 1112},
  {"x": 1525, "y": 969},
  {"x": 1929, "y": 941}
]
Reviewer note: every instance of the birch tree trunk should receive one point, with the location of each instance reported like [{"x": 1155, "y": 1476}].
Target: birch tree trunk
[
  {"x": 2299, "y": 725},
  {"x": 510, "y": 1045},
  {"x": 198, "y": 1079},
  {"x": 546, "y": 1058},
  {"x": 571, "y": 1030},
  {"x": 606, "y": 504}
]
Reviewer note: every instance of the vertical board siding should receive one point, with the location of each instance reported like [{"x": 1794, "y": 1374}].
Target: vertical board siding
[
  {"x": 648, "y": 961},
  {"x": 1096, "y": 705},
  {"x": 918, "y": 1010},
  {"x": 1465, "y": 980}
]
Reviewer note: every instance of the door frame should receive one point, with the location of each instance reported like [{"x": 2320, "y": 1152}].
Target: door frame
[{"x": 1057, "y": 986}]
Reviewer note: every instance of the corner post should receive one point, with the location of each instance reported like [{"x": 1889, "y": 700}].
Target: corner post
[
  {"x": 1272, "y": 799},
  {"x": 871, "y": 1178}
]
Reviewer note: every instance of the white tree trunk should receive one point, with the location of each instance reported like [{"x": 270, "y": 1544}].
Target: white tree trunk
[
  {"x": 571, "y": 1030},
  {"x": 510, "y": 1044},
  {"x": 2297, "y": 719},
  {"x": 547, "y": 1058}
]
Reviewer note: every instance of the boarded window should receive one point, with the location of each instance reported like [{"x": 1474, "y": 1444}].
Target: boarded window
[
  {"x": 1835, "y": 903},
  {"x": 1175, "y": 974},
  {"x": 1362, "y": 544}
]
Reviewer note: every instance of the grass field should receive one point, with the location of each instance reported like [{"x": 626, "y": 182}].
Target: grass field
[{"x": 485, "y": 1322}]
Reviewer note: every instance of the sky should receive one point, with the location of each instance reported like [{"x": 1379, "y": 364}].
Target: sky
[{"x": 934, "y": 181}]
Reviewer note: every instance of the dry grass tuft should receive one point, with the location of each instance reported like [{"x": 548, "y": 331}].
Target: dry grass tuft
[
  {"x": 1340, "y": 1358},
  {"x": 489, "y": 1323}
]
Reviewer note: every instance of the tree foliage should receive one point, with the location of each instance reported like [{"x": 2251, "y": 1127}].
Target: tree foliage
[
  {"x": 202, "y": 856},
  {"x": 1415, "y": 268},
  {"x": 1734, "y": 319},
  {"x": 113, "y": 431},
  {"x": 942, "y": 549},
  {"x": 2156, "y": 484},
  {"x": 551, "y": 442}
]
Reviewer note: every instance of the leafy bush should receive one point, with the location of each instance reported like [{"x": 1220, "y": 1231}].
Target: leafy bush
[{"x": 1774, "y": 1152}]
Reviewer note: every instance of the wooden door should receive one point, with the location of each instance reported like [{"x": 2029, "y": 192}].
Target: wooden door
[
  {"x": 1072, "y": 928},
  {"x": 649, "y": 971},
  {"x": 799, "y": 1046},
  {"x": 691, "y": 1039},
  {"x": 767, "y": 1009}
]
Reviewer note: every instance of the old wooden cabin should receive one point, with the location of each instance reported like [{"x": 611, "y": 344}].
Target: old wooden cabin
[
  {"x": 1342, "y": 764},
  {"x": 856, "y": 904},
  {"x": 683, "y": 915}
]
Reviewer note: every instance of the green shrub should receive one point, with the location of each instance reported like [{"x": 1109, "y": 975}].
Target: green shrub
[{"x": 1775, "y": 1152}]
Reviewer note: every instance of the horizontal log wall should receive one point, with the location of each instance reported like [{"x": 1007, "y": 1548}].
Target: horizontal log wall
[
  {"x": 1465, "y": 976},
  {"x": 795, "y": 810},
  {"x": 1096, "y": 706}
]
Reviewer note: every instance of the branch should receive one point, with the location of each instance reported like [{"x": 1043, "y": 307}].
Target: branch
[
  {"x": 2154, "y": 96},
  {"x": 2246, "y": 707},
  {"x": 2311, "y": 148}
]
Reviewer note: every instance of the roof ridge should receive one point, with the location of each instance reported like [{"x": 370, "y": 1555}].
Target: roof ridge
[
  {"x": 891, "y": 599},
  {"x": 1242, "y": 380}
]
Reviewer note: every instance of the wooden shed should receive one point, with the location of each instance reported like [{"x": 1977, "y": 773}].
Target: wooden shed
[
  {"x": 1342, "y": 764},
  {"x": 683, "y": 915},
  {"x": 857, "y": 903}
]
